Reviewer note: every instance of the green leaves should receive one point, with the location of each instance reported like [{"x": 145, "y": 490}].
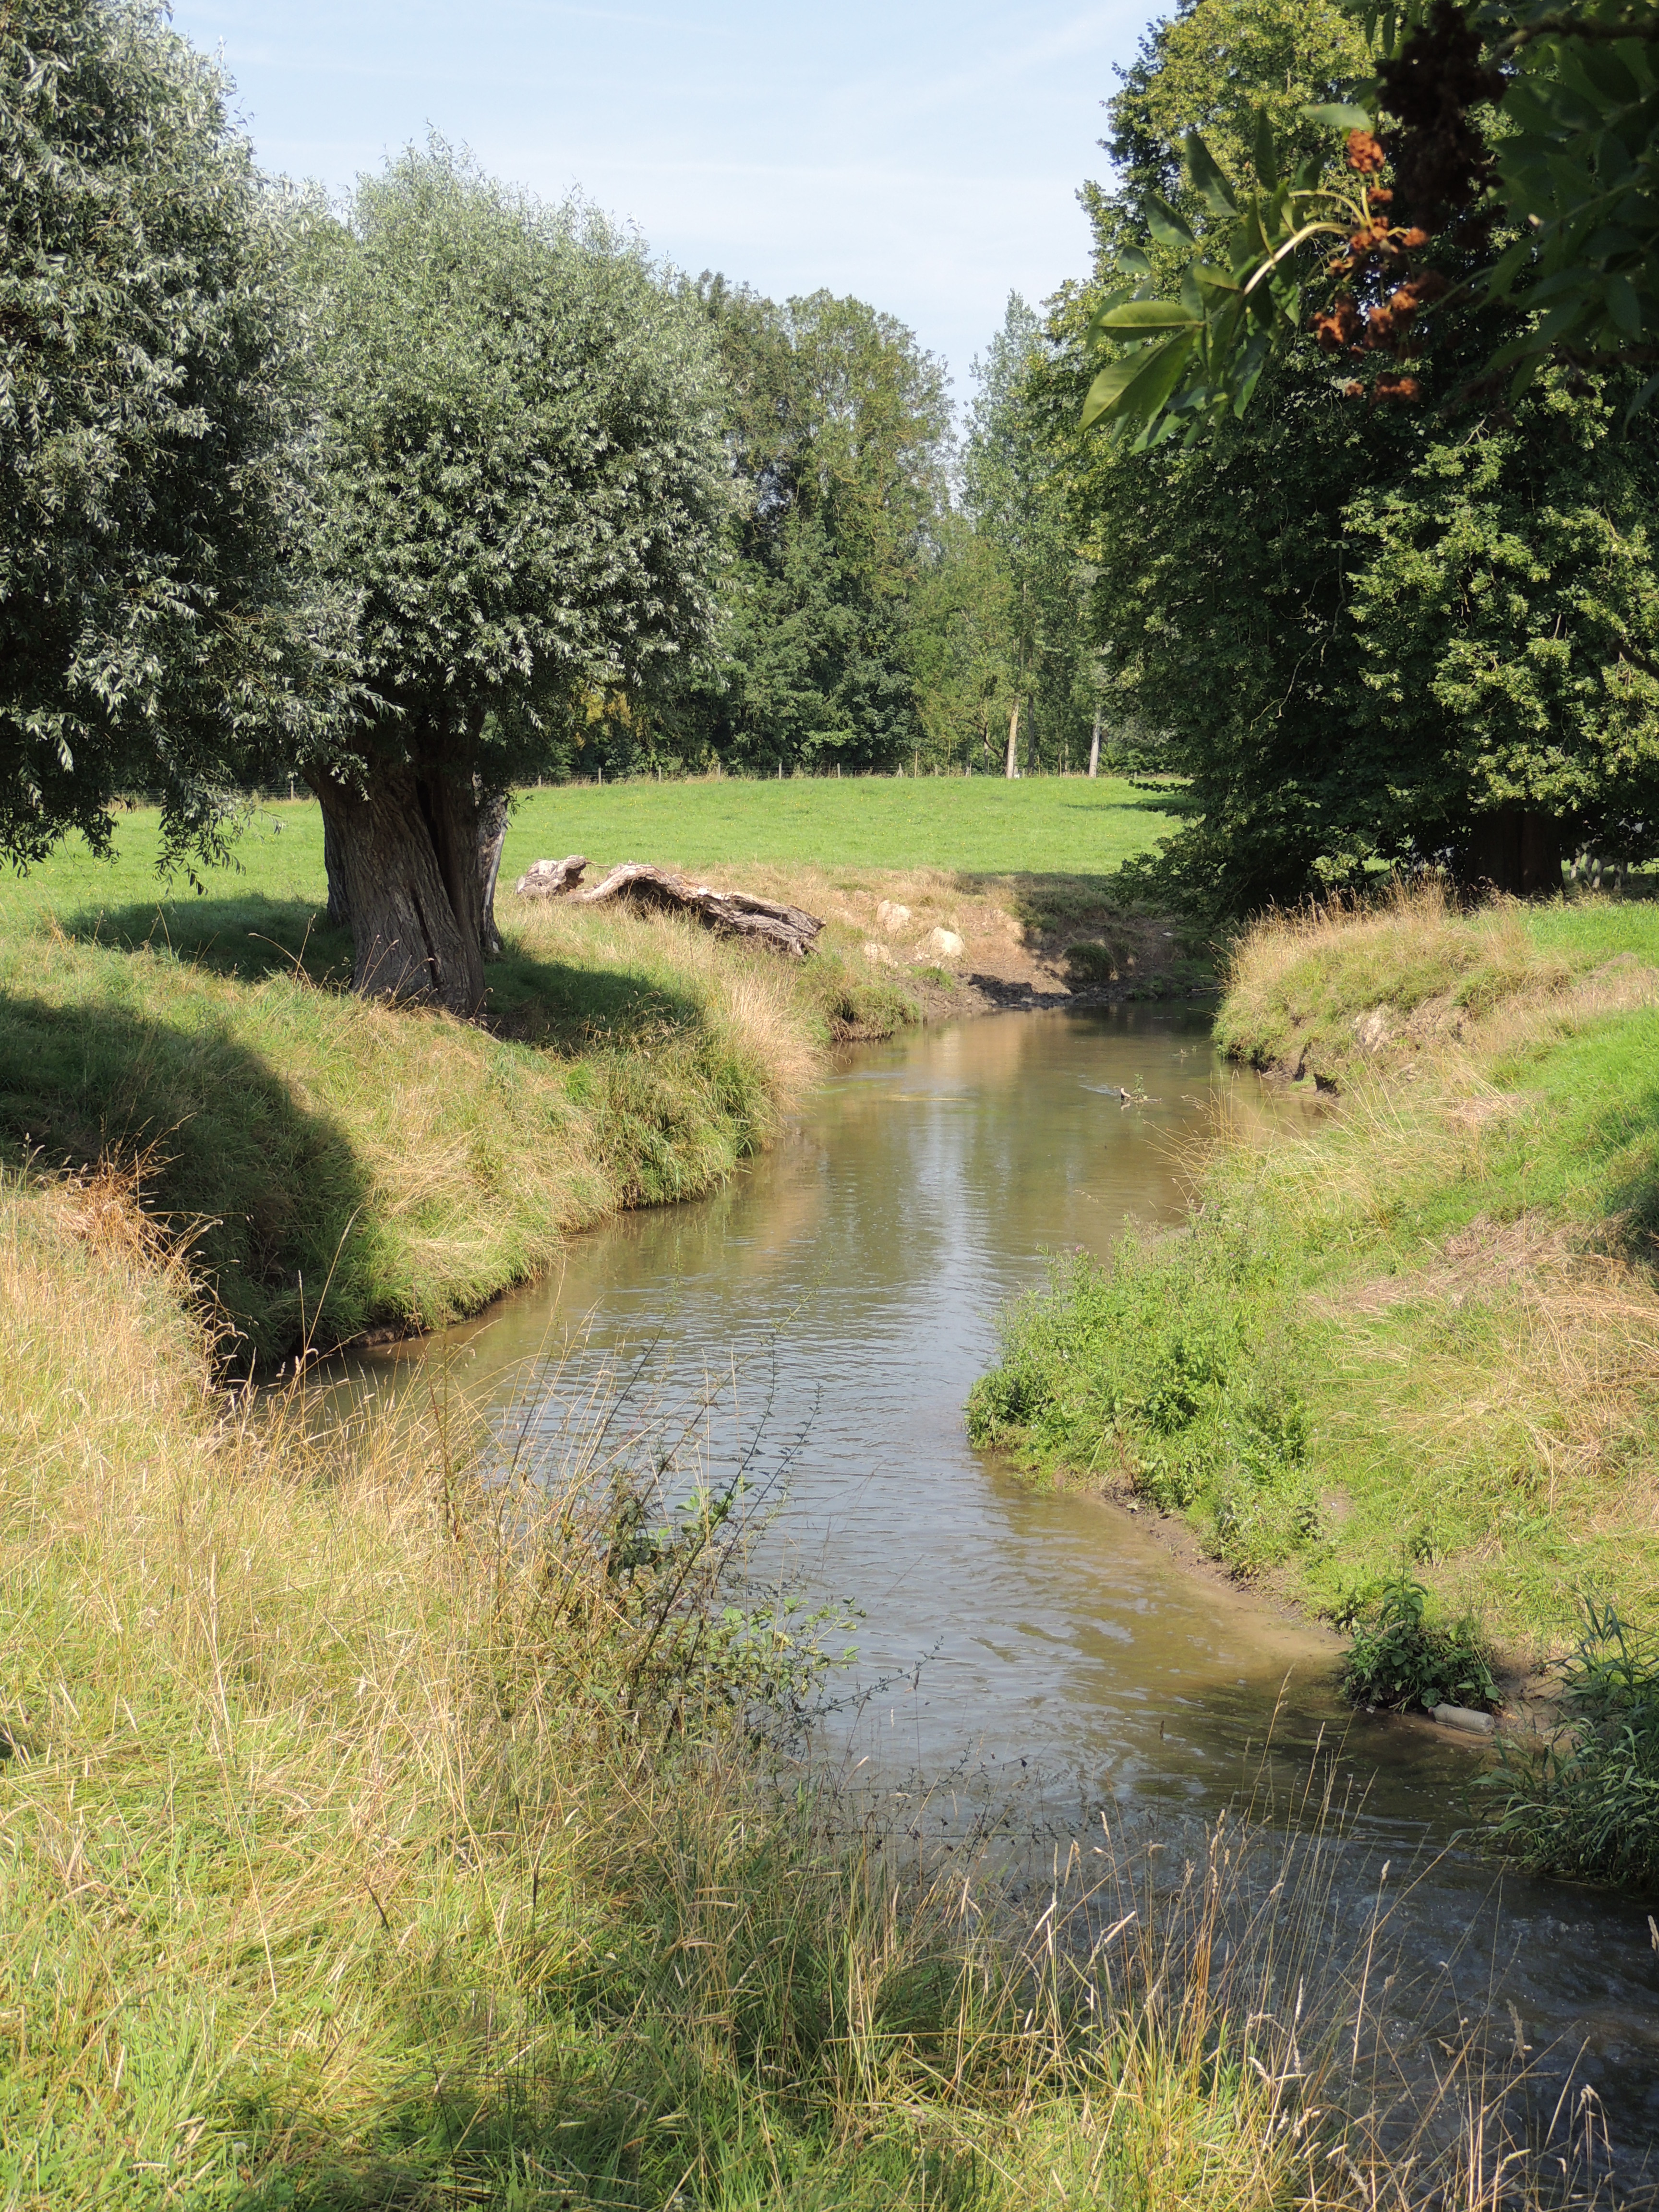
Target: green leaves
[
  {"x": 1578, "y": 169},
  {"x": 1206, "y": 179},
  {"x": 153, "y": 439},
  {"x": 1141, "y": 384},
  {"x": 1579, "y": 166},
  {"x": 525, "y": 481},
  {"x": 1342, "y": 115},
  {"x": 1201, "y": 354}
]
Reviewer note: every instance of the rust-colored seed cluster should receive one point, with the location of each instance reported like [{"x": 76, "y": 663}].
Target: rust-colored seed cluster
[{"x": 1387, "y": 326}]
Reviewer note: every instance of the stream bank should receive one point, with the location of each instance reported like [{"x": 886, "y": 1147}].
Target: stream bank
[
  {"x": 1021, "y": 1648},
  {"x": 1410, "y": 1325}
]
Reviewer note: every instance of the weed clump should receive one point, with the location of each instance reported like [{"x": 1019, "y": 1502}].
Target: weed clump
[
  {"x": 1402, "y": 1660},
  {"x": 1585, "y": 1803}
]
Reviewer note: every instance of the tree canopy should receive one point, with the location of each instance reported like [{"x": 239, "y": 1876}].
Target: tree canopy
[
  {"x": 1503, "y": 166},
  {"x": 1367, "y": 636},
  {"x": 522, "y": 479},
  {"x": 838, "y": 428},
  {"x": 155, "y": 627}
]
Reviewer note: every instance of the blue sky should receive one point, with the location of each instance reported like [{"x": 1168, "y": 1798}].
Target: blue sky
[{"x": 924, "y": 155}]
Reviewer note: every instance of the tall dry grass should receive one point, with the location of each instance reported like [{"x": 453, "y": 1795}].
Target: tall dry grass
[
  {"x": 338, "y": 1165},
  {"x": 1324, "y": 990},
  {"x": 378, "y": 1831}
]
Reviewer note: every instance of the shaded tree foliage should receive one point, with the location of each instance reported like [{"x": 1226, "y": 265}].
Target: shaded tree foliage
[
  {"x": 1403, "y": 636},
  {"x": 155, "y": 626}
]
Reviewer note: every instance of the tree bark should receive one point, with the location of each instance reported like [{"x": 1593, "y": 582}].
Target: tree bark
[
  {"x": 1094, "y": 747},
  {"x": 492, "y": 834},
  {"x": 409, "y": 856},
  {"x": 1011, "y": 761},
  {"x": 1515, "y": 850},
  {"x": 339, "y": 909}
]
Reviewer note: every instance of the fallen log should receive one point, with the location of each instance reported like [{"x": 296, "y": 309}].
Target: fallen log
[
  {"x": 551, "y": 878},
  {"x": 735, "y": 914}
]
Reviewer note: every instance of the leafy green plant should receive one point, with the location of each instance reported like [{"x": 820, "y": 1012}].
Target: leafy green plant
[
  {"x": 1091, "y": 962},
  {"x": 1400, "y": 1658},
  {"x": 1586, "y": 1801}
]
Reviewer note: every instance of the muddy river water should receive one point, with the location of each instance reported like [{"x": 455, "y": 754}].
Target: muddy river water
[{"x": 1011, "y": 1635}]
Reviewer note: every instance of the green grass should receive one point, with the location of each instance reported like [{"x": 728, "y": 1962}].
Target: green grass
[
  {"x": 978, "y": 825},
  {"x": 372, "y": 1840},
  {"x": 1413, "y": 1332},
  {"x": 337, "y": 1166}
]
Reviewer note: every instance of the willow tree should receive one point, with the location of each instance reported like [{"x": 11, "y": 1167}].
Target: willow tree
[
  {"x": 155, "y": 630},
  {"x": 523, "y": 481}
]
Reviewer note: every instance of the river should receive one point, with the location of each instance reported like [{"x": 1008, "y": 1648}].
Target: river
[{"x": 1013, "y": 1638}]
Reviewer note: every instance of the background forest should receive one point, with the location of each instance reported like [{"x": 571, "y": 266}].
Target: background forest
[{"x": 445, "y": 491}]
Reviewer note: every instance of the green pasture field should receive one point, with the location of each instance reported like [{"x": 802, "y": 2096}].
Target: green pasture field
[{"x": 975, "y": 826}]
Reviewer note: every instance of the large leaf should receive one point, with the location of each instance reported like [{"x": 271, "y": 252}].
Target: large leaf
[
  {"x": 1166, "y": 226},
  {"x": 1139, "y": 317},
  {"x": 1208, "y": 182},
  {"x": 1341, "y": 115},
  {"x": 1266, "y": 159},
  {"x": 1140, "y": 384}
]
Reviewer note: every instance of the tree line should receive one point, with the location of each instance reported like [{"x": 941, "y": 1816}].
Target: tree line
[{"x": 424, "y": 495}]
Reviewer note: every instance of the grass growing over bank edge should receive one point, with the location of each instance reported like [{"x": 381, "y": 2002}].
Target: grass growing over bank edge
[
  {"x": 335, "y": 1165},
  {"x": 376, "y": 1837},
  {"x": 1410, "y": 1327}
]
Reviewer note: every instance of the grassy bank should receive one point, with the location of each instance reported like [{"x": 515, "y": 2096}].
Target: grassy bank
[
  {"x": 337, "y": 1168},
  {"x": 334, "y": 1166},
  {"x": 373, "y": 1839},
  {"x": 1411, "y": 1328}
]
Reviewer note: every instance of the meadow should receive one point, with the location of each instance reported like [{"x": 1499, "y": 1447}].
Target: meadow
[{"x": 979, "y": 830}]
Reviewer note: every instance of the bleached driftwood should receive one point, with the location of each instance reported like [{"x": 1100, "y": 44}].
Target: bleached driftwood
[
  {"x": 787, "y": 928},
  {"x": 551, "y": 878}
]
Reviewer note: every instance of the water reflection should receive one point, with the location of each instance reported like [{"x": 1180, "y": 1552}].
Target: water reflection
[{"x": 855, "y": 1274}]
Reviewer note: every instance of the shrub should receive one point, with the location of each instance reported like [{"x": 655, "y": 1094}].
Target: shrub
[
  {"x": 1400, "y": 1658},
  {"x": 1586, "y": 1803},
  {"x": 1091, "y": 963}
]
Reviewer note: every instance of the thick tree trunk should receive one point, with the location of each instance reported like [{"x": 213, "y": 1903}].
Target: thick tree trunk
[
  {"x": 1514, "y": 850},
  {"x": 339, "y": 910},
  {"x": 409, "y": 875},
  {"x": 1094, "y": 747},
  {"x": 1010, "y": 760}
]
